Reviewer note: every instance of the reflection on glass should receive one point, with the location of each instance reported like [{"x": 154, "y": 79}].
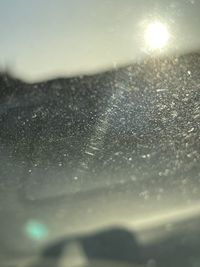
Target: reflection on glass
[
  {"x": 36, "y": 230},
  {"x": 156, "y": 35}
]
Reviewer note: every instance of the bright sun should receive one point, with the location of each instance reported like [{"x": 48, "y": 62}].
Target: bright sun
[{"x": 156, "y": 35}]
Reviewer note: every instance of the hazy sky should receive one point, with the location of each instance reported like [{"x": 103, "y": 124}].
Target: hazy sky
[{"x": 66, "y": 37}]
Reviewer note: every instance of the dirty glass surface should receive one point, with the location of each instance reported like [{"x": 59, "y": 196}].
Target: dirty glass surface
[
  {"x": 85, "y": 152},
  {"x": 118, "y": 149}
]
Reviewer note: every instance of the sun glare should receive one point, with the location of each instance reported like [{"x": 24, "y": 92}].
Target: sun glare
[{"x": 156, "y": 35}]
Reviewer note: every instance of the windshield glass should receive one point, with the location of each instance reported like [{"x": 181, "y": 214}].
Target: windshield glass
[{"x": 108, "y": 140}]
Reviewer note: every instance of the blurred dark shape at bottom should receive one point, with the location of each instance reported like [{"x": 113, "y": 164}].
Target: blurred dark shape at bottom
[{"x": 110, "y": 245}]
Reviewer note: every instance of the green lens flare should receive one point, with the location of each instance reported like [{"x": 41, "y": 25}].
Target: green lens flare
[{"x": 36, "y": 230}]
